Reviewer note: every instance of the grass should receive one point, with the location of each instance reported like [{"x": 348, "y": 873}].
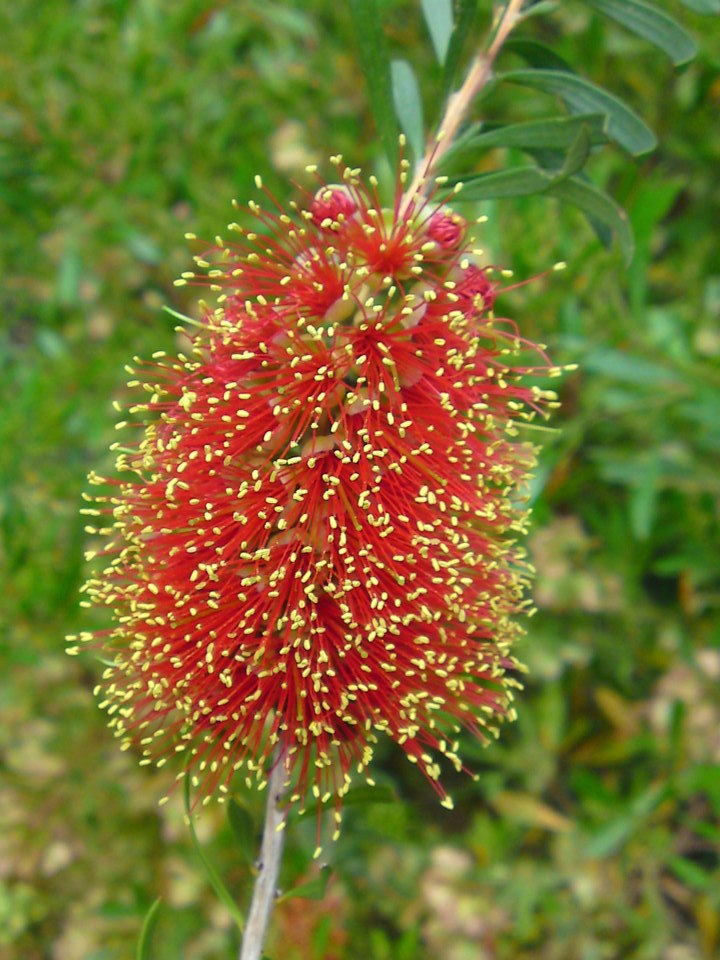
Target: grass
[{"x": 592, "y": 832}]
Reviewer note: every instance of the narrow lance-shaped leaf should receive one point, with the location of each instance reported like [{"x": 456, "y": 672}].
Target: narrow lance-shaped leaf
[
  {"x": 466, "y": 11},
  {"x": 555, "y": 133},
  {"x": 376, "y": 67},
  {"x": 598, "y": 207},
  {"x": 408, "y": 106},
  {"x": 146, "y": 934},
  {"x": 577, "y": 154},
  {"x": 623, "y": 126},
  {"x": 243, "y": 828},
  {"x": 691, "y": 874},
  {"x": 516, "y": 182},
  {"x": 602, "y": 212},
  {"x": 361, "y": 795},
  {"x": 537, "y": 54},
  {"x": 545, "y": 6},
  {"x": 651, "y": 24},
  {"x": 312, "y": 890},
  {"x": 628, "y": 367},
  {"x": 213, "y": 876},
  {"x": 438, "y": 16},
  {"x": 706, "y": 7},
  {"x": 523, "y": 181}
]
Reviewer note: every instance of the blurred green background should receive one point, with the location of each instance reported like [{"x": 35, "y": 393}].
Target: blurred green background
[{"x": 593, "y": 830}]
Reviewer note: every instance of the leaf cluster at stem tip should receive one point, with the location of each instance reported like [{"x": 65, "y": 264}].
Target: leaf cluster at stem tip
[{"x": 561, "y": 145}]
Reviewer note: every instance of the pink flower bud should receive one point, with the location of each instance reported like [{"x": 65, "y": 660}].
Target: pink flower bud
[
  {"x": 446, "y": 228},
  {"x": 332, "y": 203},
  {"x": 476, "y": 291}
]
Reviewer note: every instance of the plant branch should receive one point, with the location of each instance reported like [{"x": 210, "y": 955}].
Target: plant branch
[
  {"x": 459, "y": 103},
  {"x": 273, "y": 840}
]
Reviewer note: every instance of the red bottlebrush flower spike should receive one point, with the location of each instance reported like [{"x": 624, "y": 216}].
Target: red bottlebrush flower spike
[{"x": 313, "y": 542}]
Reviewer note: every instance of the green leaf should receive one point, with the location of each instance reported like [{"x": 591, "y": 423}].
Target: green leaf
[
  {"x": 555, "y": 133},
  {"x": 516, "y": 182},
  {"x": 362, "y": 794},
  {"x": 181, "y": 317},
  {"x": 628, "y": 368},
  {"x": 243, "y": 828},
  {"x": 312, "y": 890},
  {"x": 465, "y": 17},
  {"x": 597, "y": 206},
  {"x": 69, "y": 276},
  {"x": 106, "y": 663},
  {"x": 610, "y": 837},
  {"x": 706, "y": 7},
  {"x": 375, "y": 64},
  {"x": 213, "y": 876},
  {"x": 148, "y": 928},
  {"x": 545, "y": 6},
  {"x": 538, "y": 55},
  {"x": 691, "y": 874},
  {"x": 703, "y": 778},
  {"x": 408, "y": 106},
  {"x": 651, "y": 24},
  {"x": 438, "y": 16},
  {"x": 524, "y": 181},
  {"x": 643, "y": 499},
  {"x": 577, "y": 154},
  {"x": 623, "y": 124}
]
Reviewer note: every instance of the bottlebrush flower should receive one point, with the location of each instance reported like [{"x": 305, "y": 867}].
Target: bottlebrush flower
[{"x": 313, "y": 542}]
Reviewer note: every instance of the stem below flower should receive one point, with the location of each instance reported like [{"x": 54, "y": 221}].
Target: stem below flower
[
  {"x": 459, "y": 103},
  {"x": 269, "y": 867}
]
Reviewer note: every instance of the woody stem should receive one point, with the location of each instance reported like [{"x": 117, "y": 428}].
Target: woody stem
[
  {"x": 459, "y": 103},
  {"x": 265, "y": 890}
]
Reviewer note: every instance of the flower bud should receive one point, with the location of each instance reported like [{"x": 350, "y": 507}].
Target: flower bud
[
  {"x": 331, "y": 206},
  {"x": 476, "y": 291},
  {"x": 446, "y": 228}
]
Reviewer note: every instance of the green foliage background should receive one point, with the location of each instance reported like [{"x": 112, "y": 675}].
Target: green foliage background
[{"x": 593, "y": 831}]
